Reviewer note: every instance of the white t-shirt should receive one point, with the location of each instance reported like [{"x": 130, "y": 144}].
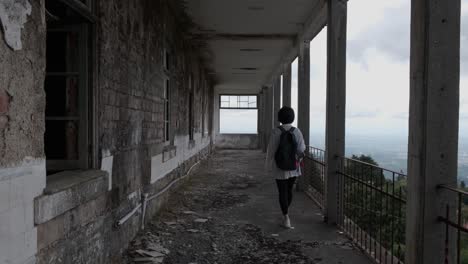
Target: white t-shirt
[{"x": 270, "y": 163}]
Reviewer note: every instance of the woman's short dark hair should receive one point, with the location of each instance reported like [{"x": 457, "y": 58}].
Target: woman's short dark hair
[{"x": 286, "y": 115}]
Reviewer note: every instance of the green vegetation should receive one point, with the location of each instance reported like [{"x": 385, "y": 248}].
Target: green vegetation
[
  {"x": 375, "y": 204},
  {"x": 374, "y": 201}
]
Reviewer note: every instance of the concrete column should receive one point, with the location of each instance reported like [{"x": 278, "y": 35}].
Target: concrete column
[
  {"x": 433, "y": 128},
  {"x": 260, "y": 120},
  {"x": 287, "y": 72},
  {"x": 303, "y": 92},
  {"x": 336, "y": 105},
  {"x": 268, "y": 107},
  {"x": 276, "y": 100}
]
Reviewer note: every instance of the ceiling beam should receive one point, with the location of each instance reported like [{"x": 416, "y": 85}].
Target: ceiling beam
[
  {"x": 243, "y": 37},
  {"x": 316, "y": 22}
]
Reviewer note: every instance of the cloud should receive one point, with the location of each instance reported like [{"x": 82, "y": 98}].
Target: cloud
[
  {"x": 371, "y": 114},
  {"x": 390, "y": 36},
  {"x": 464, "y": 42},
  {"x": 401, "y": 115}
]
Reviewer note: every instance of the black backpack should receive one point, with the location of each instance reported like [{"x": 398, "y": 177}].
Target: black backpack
[{"x": 285, "y": 155}]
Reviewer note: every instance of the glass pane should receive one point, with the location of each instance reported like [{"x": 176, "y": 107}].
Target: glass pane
[
  {"x": 166, "y": 112},
  {"x": 62, "y": 51},
  {"x": 61, "y": 140},
  {"x": 244, "y": 104},
  {"x": 224, "y": 98},
  {"x": 253, "y": 101},
  {"x": 225, "y": 104},
  {"x": 234, "y": 121},
  {"x": 232, "y": 101},
  {"x": 62, "y": 95},
  {"x": 244, "y": 98}
]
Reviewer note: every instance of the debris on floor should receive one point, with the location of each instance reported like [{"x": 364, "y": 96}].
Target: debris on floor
[{"x": 199, "y": 225}]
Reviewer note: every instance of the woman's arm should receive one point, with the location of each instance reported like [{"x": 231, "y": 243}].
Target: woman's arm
[{"x": 301, "y": 147}]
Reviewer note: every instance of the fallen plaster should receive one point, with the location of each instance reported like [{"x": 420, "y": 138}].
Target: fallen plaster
[{"x": 13, "y": 16}]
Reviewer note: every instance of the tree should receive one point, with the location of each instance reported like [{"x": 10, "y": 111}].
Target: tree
[{"x": 374, "y": 203}]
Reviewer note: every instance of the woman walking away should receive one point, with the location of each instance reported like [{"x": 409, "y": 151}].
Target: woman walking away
[{"x": 285, "y": 149}]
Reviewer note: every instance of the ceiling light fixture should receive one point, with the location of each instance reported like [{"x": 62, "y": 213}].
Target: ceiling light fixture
[
  {"x": 256, "y": 8},
  {"x": 246, "y": 69},
  {"x": 250, "y": 50}
]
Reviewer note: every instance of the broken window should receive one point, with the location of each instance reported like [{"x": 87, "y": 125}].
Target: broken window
[{"x": 67, "y": 85}]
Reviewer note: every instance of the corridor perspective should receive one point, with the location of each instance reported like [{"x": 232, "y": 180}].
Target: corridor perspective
[{"x": 135, "y": 131}]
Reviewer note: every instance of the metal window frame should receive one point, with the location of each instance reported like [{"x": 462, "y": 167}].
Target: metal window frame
[
  {"x": 238, "y": 108},
  {"x": 84, "y": 9},
  {"x": 167, "y": 109},
  {"x": 88, "y": 96},
  {"x": 83, "y": 101}
]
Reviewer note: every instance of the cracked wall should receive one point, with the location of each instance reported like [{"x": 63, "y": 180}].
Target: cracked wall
[
  {"x": 131, "y": 44},
  {"x": 22, "y": 102},
  {"x": 22, "y": 97}
]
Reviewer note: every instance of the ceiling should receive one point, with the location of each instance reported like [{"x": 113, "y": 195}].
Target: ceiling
[{"x": 247, "y": 39}]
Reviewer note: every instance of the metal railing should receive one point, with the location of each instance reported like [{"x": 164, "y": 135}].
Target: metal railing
[
  {"x": 456, "y": 224},
  {"x": 314, "y": 171},
  {"x": 372, "y": 202}
]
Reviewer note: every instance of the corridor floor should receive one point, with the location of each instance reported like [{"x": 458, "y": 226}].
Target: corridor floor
[{"x": 228, "y": 213}]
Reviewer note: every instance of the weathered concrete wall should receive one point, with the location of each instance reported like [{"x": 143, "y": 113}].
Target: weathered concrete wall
[
  {"x": 133, "y": 37},
  {"x": 22, "y": 99},
  {"x": 237, "y": 141}
]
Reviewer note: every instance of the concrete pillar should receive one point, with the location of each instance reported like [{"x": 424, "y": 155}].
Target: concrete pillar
[
  {"x": 260, "y": 120},
  {"x": 287, "y": 72},
  {"x": 433, "y": 128},
  {"x": 336, "y": 105},
  {"x": 276, "y": 100},
  {"x": 303, "y": 94},
  {"x": 268, "y": 102}
]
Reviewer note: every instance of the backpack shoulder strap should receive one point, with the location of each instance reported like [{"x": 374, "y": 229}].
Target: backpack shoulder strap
[
  {"x": 292, "y": 129},
  {"x": 281, "y": 129}
]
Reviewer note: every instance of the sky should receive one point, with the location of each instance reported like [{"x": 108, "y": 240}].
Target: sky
[{"x": 378, "y": 49}]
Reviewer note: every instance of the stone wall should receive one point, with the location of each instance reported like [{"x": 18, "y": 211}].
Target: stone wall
[
  {"x": 72, "y": 218},
  {"x": 22, "y": 101},
  {"x": 237, "y": 141}
]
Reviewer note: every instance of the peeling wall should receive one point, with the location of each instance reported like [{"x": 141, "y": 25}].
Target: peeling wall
[
  {"x": 131, "y": 41},
  {"x": 22, "y": 99},
  {"x": 13, "y": 15},
  {"x": 133, "y": 37},
  {"x": 22, "y": 96}
]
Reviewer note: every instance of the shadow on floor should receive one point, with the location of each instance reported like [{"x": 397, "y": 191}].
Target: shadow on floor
[{"x": 228, "y": 213}]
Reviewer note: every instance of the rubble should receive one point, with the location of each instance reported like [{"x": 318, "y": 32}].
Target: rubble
[{"x": 194, "y": 230}]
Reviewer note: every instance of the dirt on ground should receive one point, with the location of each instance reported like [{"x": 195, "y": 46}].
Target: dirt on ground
[{"x": 192, "y": 228}]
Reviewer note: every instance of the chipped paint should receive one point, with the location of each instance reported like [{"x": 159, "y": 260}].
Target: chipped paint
[{"x": 13, "y": 16}]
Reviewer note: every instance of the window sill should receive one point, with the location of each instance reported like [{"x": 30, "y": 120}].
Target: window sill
[
  {"x": 67, "y": 190},
  {"x": 191, "y": 144},
  {"x": 169, "y": 152}
]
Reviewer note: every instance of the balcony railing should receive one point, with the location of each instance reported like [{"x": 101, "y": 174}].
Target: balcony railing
[
  {"x": 314, "y": 170},
  {"x": 372, "y": 203},
  {"x": 456, "y": 223}
]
